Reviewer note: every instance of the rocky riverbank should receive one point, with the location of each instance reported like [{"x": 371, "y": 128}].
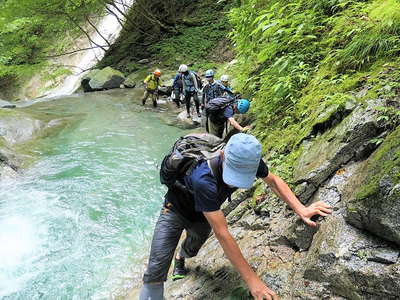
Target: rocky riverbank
[{"x": 353, "y": 254}]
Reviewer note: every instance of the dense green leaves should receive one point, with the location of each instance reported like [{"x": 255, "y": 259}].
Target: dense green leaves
[
  {"x": 299, "y": 58},
  {"x": 31, "y": 29}
]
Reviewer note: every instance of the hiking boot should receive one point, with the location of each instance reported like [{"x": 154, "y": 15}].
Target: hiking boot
[{"x": 179, "y": 269}]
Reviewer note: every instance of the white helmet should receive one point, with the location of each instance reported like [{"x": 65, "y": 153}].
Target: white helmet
[
  {"x": 225, "y": 78},
  {"x": 183, "y": 68}
]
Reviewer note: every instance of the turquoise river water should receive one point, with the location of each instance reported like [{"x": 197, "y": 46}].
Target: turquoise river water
[{"x": 77, "y": 224}]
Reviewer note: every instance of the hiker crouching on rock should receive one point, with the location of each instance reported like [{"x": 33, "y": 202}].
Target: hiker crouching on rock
[
  {"x": 152, "y": 82},
  {"x": 210, "y": 183},
  {"x": 220, "y": 111}
]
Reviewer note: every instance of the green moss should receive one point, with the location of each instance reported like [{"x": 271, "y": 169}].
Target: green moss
[
  {"x": 362, "y": 254},
  {"x": 384, "y": 162}
]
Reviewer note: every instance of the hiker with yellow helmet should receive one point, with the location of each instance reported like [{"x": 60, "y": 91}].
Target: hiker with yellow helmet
[{"x": 151, "y": 83}]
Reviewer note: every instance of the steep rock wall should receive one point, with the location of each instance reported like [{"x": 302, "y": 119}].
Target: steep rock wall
[{"x": 334, "y": 261}]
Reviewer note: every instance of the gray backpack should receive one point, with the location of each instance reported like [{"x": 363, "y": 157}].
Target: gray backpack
[{"x": 186, "y": 153}]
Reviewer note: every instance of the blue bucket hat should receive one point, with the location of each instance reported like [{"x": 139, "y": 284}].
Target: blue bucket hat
[{"x": 242, "y": 157}]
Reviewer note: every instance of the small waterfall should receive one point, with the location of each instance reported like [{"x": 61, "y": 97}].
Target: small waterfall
[{"x": 108, "y": 28}]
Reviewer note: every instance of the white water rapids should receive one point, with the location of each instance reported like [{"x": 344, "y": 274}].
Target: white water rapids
[{"x": 109, "y": 28}]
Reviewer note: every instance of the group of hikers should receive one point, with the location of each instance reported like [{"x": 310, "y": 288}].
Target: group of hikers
[
  {"x": 201, "y": 172},
  {"x": 218, "y": 103}
]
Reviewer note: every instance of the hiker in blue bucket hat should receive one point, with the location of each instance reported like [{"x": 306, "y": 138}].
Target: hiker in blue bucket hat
[{"x": 198, "y": 211}]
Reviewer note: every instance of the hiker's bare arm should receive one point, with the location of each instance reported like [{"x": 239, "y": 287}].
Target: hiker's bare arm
[
  {"x": 258, "y": 289},
  {"x": 235, "y": 124},
  {"x": 282, "y": 190}
]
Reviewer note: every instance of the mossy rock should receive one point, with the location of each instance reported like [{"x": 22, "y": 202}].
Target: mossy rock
[
  {"x": 376, "y": 202},
  {"x": 322, "y": 156},
  {"x": 86, "y": 79},
  {"x": 107, "y": 78},
  {"x": 132, "y": 80}
]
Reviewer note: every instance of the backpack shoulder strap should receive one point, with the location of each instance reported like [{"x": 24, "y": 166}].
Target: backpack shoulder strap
[
  {"x": 214, "y": 164},
  {"x": 216, "y": 170}
]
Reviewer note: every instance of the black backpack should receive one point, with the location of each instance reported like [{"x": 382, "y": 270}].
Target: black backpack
[
  {"x": 215, "y": 108},
  {"x": 198, "y": 79},
  {"x": 186, "y": 153}
]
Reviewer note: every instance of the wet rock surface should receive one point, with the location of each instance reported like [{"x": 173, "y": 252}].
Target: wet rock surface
[
  {"x": 17, "y": 129},
  {"x": 328, "y": 152},
  {"x": 374, "y": 204},
  {"x": 191, "y": 121},
  {"x": 349, "y": 260}
]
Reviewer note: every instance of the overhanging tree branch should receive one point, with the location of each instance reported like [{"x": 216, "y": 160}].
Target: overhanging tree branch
[{"x": 72, "y": 52}]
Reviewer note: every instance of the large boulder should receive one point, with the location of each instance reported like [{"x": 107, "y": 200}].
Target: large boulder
[
  {"x": 132, "y": 80},
  {"x": 107, "y": 78},
  {"x": 324, "y": 155},
  {"x": 375, "y": 201},
  {"x": 86, "y": 79},
  {"x": 164, "y": 90},
  {"x": 167, "y": 81}
]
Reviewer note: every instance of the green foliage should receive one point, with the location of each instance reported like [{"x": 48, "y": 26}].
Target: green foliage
[
  {"x": 192, "y": 45},
  {"x": 190, "y": 34},
  {"x": 389, "y": 116},
  {"x": 377, "y": 36},
  {"x": 298, "y": 60},
  {"x": 32, "y": 29}
]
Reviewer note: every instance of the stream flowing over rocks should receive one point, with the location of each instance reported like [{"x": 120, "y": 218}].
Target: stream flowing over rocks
[{"x": 352, "y": 254}]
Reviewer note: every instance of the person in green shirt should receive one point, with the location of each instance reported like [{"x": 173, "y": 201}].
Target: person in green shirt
[{"x": 151, "y": 83}]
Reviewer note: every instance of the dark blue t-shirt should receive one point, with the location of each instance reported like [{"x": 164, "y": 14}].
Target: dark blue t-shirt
[
  {"x": 228, "y": 112},
  {"x": 209, "y": 192}
]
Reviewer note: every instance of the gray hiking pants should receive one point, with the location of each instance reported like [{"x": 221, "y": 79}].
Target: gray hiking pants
[{"x": 166, "y": 236}]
